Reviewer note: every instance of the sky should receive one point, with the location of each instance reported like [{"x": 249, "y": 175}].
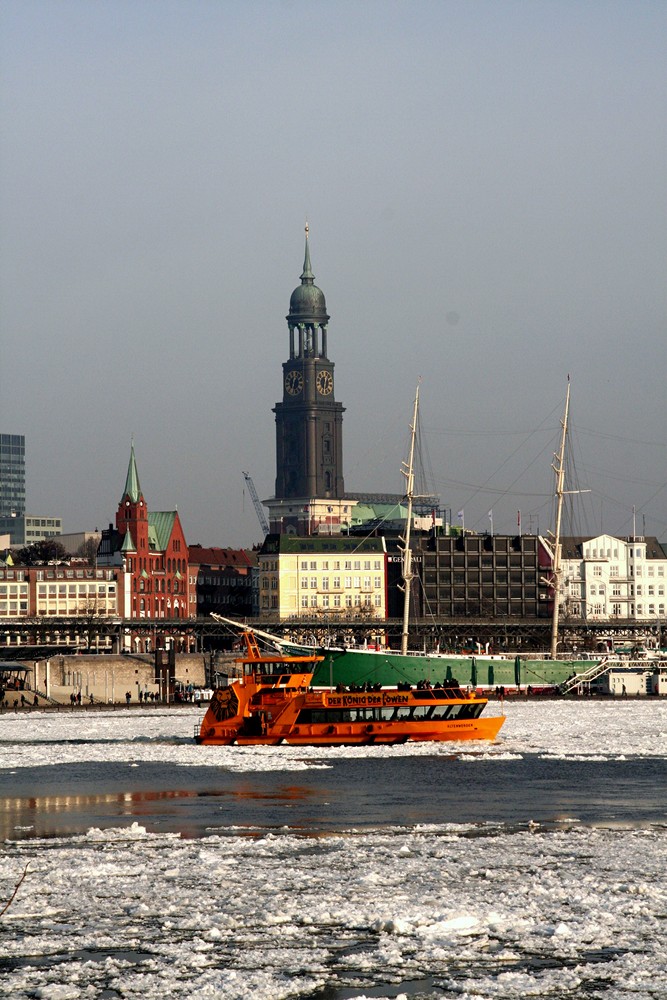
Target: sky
[{"x": 485, "y": 185}]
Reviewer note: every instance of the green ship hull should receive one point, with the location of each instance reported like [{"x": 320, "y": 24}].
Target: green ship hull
[{"x": 388, "y": 668}]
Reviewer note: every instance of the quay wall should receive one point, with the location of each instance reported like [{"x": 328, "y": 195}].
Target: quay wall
[{"x": 108, "y": 677}]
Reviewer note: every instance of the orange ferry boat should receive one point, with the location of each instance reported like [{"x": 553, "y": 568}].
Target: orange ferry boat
[{"x": 272, "y": 702}]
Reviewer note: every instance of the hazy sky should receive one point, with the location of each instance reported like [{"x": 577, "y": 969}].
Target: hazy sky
[{"x": 486, "y": 189}]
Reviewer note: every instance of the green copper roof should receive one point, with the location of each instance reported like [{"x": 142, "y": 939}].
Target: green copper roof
[
  {"x": 307, "y": 276},
  {"x": 365, "y": 512},
  {"x": 128, "y": 544},
  {"x": 132, "y": 485},
  {"x": 307, "y": 303},
  {"x": 160, "y": 527}
]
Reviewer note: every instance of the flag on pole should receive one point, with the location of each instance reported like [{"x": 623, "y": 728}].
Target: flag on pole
[
  {"x": 491, "y": 519},
  {"x": 460, "y": 515}
]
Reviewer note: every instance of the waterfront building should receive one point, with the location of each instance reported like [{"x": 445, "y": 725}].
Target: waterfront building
[
  {"x": 303, "y": 577},
  {"x": 225, "y": 581},
  {"x": 150, "y": 548},
  {"x": 606, "y": 578},
  {"x": 485, "y": 576},
  {"x": 65, "y": 590}
]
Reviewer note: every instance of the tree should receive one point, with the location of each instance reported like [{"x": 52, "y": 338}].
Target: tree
[
  {"x": 88, "y": 550},
  {"x": 45, "y": 551}
]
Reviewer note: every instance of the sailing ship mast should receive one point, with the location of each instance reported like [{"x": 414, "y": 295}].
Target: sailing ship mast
[
  {"x": 408, "y": 470},
  {"x": 559, "y": 468}
]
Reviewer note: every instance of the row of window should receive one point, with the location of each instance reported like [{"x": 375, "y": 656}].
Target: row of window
[
  {"x": 329, "y": 601},
  {"x": 59, "y": 574},
  {"x": 617, "y": 610},
  {"x": 657, "y": 569},
  {"x": 157, "y": 565},
  {"x": 338, "y": 564},
  {"x": 63, "y": 590},
  {"x": 616, "y": 591},
  {"x": 334, "y": 583},
  {"x": 145, "y": 586}
]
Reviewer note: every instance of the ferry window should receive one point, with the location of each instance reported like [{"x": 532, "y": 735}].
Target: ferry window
[{"x": 422, "y": 712}]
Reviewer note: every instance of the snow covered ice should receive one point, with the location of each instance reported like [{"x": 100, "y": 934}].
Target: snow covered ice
[{"x": 485, "y": 911}]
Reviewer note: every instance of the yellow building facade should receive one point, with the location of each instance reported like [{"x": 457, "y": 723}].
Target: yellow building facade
[{"x": 305, "y": 577}]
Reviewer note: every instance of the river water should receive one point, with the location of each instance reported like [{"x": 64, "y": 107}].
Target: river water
[{"x": 534, "y": 866}]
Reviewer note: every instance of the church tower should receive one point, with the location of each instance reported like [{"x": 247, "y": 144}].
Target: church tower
[
  {"x": 309, "y": 421},
  {"x": 132, "y": 514}
]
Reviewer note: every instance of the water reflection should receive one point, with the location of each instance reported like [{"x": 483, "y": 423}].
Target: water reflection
[
  {"x": 41, "y": 815},
  {"x": 56, "y": 815}
]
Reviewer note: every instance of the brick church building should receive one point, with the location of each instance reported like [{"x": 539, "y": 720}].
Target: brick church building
[{"x": 152, "y": 551}]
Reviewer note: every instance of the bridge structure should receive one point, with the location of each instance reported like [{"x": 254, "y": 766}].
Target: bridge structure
[{"x": 47, "y": 636}]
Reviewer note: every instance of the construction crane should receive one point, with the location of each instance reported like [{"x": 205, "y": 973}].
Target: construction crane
[{"x": 259, "y": 510}]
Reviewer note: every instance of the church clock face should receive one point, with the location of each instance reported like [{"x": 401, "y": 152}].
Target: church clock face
[
  {"x": 324, "y": 382},
  {"x": 293, "y": 383}
]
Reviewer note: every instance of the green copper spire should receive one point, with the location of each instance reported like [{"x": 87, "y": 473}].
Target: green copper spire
[
  {"x": 132, "y": 486},
  {"x": 307, "y": 278},
  {"x": 307, "y": 303}
]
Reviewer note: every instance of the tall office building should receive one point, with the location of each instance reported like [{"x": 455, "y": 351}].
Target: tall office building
[{"x": 12, "y": 487}]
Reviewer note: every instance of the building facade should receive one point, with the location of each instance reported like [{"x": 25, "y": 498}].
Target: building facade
[
  {"x": 333, "y": 577},
  {"x": 485, "y": 576},
  {"x": 16, "y": 526},
  {"x": 152, "y": 551},
  {"x": 225, "y": 581},
  {"x": 610, "y": 579},
  {"x": 74, "y": 590},
  {"x": 12, "y": 487}
]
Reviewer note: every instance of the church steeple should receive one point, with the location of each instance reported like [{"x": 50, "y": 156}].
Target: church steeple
[
  {"x": 308, "y": 420},
  {"x": 132, "y": 486},
  {"x": 132, "y": 515},
  {"x": 307, "y": 277}
]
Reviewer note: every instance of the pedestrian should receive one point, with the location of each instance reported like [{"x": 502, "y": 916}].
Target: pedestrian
[{"x": 128, "y": 698}]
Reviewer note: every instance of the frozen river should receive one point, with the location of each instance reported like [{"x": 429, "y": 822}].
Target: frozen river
[{"x": 532, "y": 867}]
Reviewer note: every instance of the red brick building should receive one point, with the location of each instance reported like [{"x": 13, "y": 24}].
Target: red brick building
[{"x": 151, "y": 549}]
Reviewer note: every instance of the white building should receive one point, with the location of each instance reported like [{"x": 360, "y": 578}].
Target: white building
[{"x": 607, "y": 578}]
